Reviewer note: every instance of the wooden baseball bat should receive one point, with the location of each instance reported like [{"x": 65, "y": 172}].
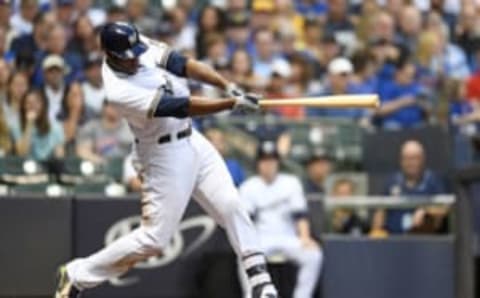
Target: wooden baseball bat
[{"x": 333, "y": 101}]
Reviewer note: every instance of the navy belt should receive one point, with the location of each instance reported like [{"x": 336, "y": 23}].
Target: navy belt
[{"x": 168, "y": 138}]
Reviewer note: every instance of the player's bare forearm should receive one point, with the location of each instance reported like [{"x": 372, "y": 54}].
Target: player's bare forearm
[
  {"x": 203, "y": 72},
  {"x": 202, "y": 106},
  {"x": 303, "y": 228}
]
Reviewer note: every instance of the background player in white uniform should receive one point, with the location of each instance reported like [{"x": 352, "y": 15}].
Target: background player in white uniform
[
  {"x": 143, "y": 80},
  {"x": 279, "y": 209}
]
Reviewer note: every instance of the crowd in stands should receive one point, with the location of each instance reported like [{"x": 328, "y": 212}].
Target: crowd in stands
[{"x": 421, "y": 57}]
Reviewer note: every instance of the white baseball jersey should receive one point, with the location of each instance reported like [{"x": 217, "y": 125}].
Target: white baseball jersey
[
  {"x": 274, "y": 204},
  {"x": 136, "y": 96}
]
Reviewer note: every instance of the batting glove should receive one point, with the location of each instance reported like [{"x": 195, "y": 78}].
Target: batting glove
[
  {"x": 233, "y": 91},
  {"x": 248, "y": 103}
]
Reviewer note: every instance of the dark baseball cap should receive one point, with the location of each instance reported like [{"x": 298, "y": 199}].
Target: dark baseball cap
[
  {"x": 238, "y": 20},
  {"x": 267, "y": 149},
  {"x": 318, "y": 154}
]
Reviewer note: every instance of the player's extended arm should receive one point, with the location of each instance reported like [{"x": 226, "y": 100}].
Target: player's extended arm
[
  {"x": 185, "y": 106},
  {"x": 205, "y": 73},
  {"x": 202, "y": 106}
]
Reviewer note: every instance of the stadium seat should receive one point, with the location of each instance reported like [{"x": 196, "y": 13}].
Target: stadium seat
[
  {"x": 114, "y": 169},
  {"x": 107, "y": 189},
  {"x": 50, "y": 190},
  {"x": 19, "y": 170},
  {"x": 78, "y": 171}
]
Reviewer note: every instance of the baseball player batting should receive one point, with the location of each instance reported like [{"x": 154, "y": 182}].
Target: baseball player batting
[{"x": 145, "y": 81}]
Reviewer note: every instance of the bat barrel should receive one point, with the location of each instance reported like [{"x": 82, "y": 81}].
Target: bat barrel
[{"x": 333, "y": 101}]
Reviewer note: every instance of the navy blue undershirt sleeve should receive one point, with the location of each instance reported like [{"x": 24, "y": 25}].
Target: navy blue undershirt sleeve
[
  {"x": 172, "y": 106},
  {"x": 177, "y": 64},
  {"x": 297, "y": 215}
]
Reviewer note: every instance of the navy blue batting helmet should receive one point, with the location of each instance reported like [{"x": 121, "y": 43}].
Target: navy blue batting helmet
[{"x": 122, "y": 40}]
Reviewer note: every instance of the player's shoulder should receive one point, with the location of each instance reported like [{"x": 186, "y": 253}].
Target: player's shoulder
[
  {"x": 157, "y": 51},
  {"x": 153, "y": 43}
]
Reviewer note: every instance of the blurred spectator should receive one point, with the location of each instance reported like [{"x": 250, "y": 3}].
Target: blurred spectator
[
  {"x": 265, "y": 53},
  {"x": 35, "y": 135},
  {"x": 137, "y": 13},
  {"x": 36, "y": 41},
  {"x": 301, "y": 79},
  {"x": 54, "y": 70},
  {"x": 216, "y": 49},
  {"x": 339, "y": 81},
  {"x": 217, "y": 138},
  {"x": 104, "y": 138},
  {"x": 131, "y": 177},
  {"x": 5, "y": 14},
  {"x": 383, "y": 27},
  {"x": 4, "y": 77},
  {"x": 96, "y": 16},
  {"x": 5, "y": 138},
  {"x": 338, "y": 20},
  {"x": 84, "y": 40},
  {"x": 346, "y": 221},
  {"x": 319, "y": 167},
  {"x": 467, "y": 34},
  {"x": 116, "y": 14},
  {"x": 241, "y": 70},
  {"x": 65, "y": 13},
  {"x": 210, "y": 22},
  {"x": 449, "y": 61},
  {"x": 279, "y": 210},
  {"x": 263, "y": 12},
  {"x": 312, "y": 38},
  {"x": 330, "y": 49},
  {"x": 464, "y": 117},
  {"x": 364, "y": 78},
  {"x": 308, "y": 8},
  {"x": 73, "y": 113},
  {"x": 17, "y": 88},
  {"x": 427, "y": 46},
  {"x": 413, "y": 179},
  {"x": 279, "y": 77},
  {"x": 56, "y": 45},
  {"x": 22, "y": 21},
  {"x": 92, "y": 87},
  {"x": 287, "y": 18},
  {"x": 183, "y": 31},
  {"x": 235, "y": 7},
  {"x": 410, "y": 24},
  {"x": 403, "y": 105},
  {"x": 238, "y": 34}
]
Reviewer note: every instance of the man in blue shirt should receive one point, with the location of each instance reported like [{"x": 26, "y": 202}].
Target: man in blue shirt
[
  {"x": 413, "y": 179},
  {"x": 402, "y": 103}
]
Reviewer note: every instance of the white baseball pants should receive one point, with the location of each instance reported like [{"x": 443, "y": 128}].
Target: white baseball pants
[
  {"x": 308, "y": 260},
  {"x": 173, "y": 172}
]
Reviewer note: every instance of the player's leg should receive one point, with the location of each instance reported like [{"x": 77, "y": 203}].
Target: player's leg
[
  {"x": 309, "y": 261},
  {"x": 168, "y": 183},
  {"x": 216, "y": 193}
]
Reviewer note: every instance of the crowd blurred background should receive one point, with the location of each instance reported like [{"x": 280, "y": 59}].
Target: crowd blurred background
[{"x": 420, "y": 56}]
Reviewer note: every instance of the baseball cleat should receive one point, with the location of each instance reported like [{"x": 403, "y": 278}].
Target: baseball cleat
[
  {"x": 266, "y": 290},
  {"x": 65, "y": 288}
]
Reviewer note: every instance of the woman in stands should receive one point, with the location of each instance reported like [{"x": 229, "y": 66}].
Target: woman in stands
[
  {"x": 5, "y": 139},
  {"x": 34, "y": 135},
  {"x": 241, "y": 70},
  {"x": 73, "y": 114},
  {"x": 17, "y": 87}
]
